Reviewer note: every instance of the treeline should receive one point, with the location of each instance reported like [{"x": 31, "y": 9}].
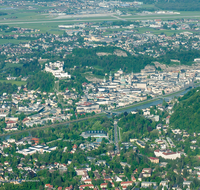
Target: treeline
[
  {"x": 186, "y": 57},
  {"x": 26, "y": 69},
  {"x": 88, "y": 57},
  {"x": 2, "y": 13},
  {"x": 124, "y": 23},
  {"x": 180, "y": 6},
  {"x": 42, "y": 81},
  {"x": 187, "y": 112},
  {"x": 7, "y": 28},
  {"x": 7, "y": 88}
]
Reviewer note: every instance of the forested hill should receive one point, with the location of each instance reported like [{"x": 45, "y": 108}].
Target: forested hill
[
  {"x": 187, "y": 112},
  {"x": 110, "y": 62}
]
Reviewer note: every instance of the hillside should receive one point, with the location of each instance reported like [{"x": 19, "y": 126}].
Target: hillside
[
  {"x": 135, "y": 125},
  {"x": 108, "y": 60},
  {"x": 187, "y": 112}
]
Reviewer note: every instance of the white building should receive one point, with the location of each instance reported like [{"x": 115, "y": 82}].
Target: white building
[
  {"x": 148, "y": 184},
  {"x": 88, "y": 107},
  {"x": 56, "y": 69},
  {"x": 167, "y": 154},
  {"x": 38, "y": 148}
]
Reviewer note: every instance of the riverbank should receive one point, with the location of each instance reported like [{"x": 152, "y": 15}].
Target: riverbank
[
  {"x": 149, "y": 101},
  {"x": 136, "y": 104}
]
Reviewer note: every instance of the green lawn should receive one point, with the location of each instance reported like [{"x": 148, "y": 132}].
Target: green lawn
[
  {"x": 155, "y": 31},
  {"x": 18, "y": 83},
  {"x": 13, "y": 41},
  {"x": 9, "y": 65}
]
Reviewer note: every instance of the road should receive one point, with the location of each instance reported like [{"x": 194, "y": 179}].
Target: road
[
  {"x": 119, "y": 134},
  {"x": 116, "y": 136}
]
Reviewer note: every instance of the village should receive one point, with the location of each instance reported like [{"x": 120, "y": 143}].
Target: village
[{"x": 96, "y": 94}]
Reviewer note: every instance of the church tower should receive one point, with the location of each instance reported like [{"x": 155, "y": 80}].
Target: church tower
[
  {"x": 110, "y": 77},
  {"x": 129, "y": 79},
  {"x": 104, "y": 80}
]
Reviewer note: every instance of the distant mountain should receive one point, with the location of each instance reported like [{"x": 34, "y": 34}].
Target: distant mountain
[{"x": 187, "y": 112}]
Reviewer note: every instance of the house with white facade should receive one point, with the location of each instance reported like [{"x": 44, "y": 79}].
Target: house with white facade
[{"x": 167, "y": 154}]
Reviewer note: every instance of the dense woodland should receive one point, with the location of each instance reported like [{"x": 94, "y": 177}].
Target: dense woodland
[
  {"x": 7, "y": 88},
  {"x": 75, "y": 82},
  {"x": 88, "y": 57},
  {"x": 26, "y": 69},
  {"x": 2, "y": 13},
  {"x": 42, "y": 81},
  {"x": 187, "y": 112},
  {"x": 135, "y": 125},
  {"x": 185, "y": 57}
]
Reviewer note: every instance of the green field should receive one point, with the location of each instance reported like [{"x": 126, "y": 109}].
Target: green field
[
  {"x": 155, "y": 31},
  {"x": 18, "y": 83},
  {"x": 35, "y": 19},
  {"x": 9, "y": 65},
  {"x": 30, "y": 18},
  {"x": 13, "y": 41}
]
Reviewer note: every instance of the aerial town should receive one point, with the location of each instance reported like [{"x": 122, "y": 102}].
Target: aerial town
[{"x": 99, "y": 95}]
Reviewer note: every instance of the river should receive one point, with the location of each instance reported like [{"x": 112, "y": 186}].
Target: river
[
  {"x": 139, "y": 107},
  {"x": 154, "y": 103}
]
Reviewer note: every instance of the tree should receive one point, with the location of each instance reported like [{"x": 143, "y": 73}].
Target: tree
[
  {"x": 21, "y": 116},
  {"x": 90, "y": 91},
  {"x": 109, "y": 185},
  {"x": 165, "y": 26},
  {"x": 42, "y": 80},
  {"x": 125, "y": 113}
]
